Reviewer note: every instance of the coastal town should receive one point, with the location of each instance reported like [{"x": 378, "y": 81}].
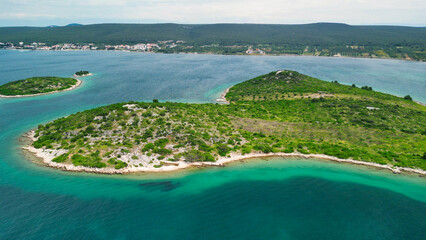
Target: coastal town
[
  {"x": 180, "y": 46},
  {"x": 75, "y": 46},
  {"x": 168, "y": 46}
]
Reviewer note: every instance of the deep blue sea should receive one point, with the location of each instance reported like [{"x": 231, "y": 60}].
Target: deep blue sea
[{"x": 258, "y": 199}]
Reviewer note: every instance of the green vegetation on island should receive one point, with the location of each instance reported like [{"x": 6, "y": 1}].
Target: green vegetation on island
[
  {"x": 37, "y": 85},
  {"x": 82, "y": 73},
  {"x": 282, "y": 111}
]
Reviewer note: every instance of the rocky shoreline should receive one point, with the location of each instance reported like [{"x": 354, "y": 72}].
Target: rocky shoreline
[
  {"x": 47, "y": 155},
  {"x": 222, "y": 98}
]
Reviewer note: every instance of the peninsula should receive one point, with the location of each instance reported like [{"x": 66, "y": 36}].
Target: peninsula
[
  {"x": 38, "y": 86},
  {"x": 283, "y": 113}
]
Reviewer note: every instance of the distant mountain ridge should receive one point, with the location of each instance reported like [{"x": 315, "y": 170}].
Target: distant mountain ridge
[
  {"x": 74, "y": 24},
  {"x": 322, "y": 34},
  {"x": 68, "y": 25}
]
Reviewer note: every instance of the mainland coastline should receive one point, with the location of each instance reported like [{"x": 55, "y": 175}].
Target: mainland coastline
[{"x": 241, "y": 54}]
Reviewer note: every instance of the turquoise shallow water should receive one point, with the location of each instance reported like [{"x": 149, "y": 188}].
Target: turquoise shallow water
[{"x": 274, "y": 199}]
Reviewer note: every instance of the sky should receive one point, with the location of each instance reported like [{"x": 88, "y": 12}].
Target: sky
[{"x": 355, "y": 12}]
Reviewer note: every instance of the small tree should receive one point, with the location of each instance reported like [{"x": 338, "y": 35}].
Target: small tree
[
  {"x": 408, "y": 97},
  {"x": 367, "y": 88},
  {"x": 155, "y": 100}
]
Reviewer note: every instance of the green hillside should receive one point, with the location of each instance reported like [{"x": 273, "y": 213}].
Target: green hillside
[
  {"x": 324, "y": 39},
  {"x": 225, "y": 34},
  {"x": 292, "y": 85}
]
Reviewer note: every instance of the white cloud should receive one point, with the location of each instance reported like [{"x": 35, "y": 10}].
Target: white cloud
[{"x": 212, "y": 11}]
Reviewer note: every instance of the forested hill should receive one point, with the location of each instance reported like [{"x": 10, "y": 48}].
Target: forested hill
[{"x": 321, "y": 34}]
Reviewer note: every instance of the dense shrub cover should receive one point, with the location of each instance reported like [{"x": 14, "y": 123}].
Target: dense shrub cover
[{"x": 318, "y": 118}]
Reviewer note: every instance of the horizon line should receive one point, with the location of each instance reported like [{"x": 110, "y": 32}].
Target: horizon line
[{"x": 218, "y": 23}]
